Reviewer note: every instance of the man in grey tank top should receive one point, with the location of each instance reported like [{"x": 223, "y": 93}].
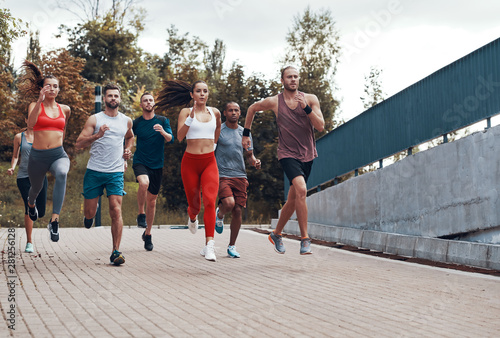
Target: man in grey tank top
[
  {"x": 105, "y": 133},
  {"x": 297, "y": 115},
  {"x": 233, "y": 181}
]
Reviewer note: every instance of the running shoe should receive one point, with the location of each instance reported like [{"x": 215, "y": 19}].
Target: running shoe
[
  {"x": 54, "y": 230},
  {"x": 277, "y": 240},
  {"x": 231, "y": 252},
  {"x": 208, "y": 251},
  {"x": 141, "y": 221},
  {"x": 117, "y": 258},
  {"x": 193, "y": 226},
  {"x": 305, "y": 246},
  {"x": 219, "y": 222},
  {"x": 148, "y": 244},
  {"x": 29, "y": 247},
  {"x": 33, "y": 213},
  {"x": 88, "y": 222}
]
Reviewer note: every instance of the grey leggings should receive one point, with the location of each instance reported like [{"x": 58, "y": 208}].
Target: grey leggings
[{"x": 54, "y": 160}]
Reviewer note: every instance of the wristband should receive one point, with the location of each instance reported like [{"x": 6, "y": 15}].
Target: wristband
[
  {"x": 188, "y": 121},
  {"x": 246, "y": 132},
  {"x": 308, "y": 110}
]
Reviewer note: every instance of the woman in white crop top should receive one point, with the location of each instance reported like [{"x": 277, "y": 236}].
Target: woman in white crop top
[{"x": 200, "y": 125}]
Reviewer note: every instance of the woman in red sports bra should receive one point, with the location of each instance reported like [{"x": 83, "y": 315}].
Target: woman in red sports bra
[
  {"x": 48, "y": 120},
  {"x": 200, "y": 125}
]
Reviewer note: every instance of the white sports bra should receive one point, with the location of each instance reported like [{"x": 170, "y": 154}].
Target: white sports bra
[{"x": 199, "y": 130}]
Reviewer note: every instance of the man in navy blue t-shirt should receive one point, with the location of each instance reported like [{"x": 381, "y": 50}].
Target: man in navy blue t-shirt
[{"x": 152, "y": 131}]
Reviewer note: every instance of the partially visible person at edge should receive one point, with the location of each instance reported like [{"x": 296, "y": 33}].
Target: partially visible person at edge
[
  {"x": 49, "y": 121},
  {"x": 233, "y": 181},
  {"x": 152, "y": 131},
  {"x": 297, "y": 115},
  {"x": 105, "y": 133},
  {"x": 200, "y": 125},
  {"x": 21, "y": 151}
]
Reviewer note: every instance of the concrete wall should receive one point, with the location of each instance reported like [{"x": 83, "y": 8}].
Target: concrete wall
[
  {"x": 401, "y": 209},
  {"x": 449, "y": 189}
]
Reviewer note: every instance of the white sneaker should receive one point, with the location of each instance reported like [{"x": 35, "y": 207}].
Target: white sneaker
[
  {"x": 209, "y": 251},
  {"x": 193, "y": 226}
]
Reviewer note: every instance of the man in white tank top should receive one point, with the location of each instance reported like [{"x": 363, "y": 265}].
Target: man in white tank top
[{"x": 105, "y": 133}]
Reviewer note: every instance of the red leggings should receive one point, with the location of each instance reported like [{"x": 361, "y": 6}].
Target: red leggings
[{"x": 199, "y": 173}]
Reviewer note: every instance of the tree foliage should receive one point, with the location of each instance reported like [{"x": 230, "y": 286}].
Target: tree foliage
[
  {"x": 374, "y": 92},
  {"x": 10, "y": 29}
]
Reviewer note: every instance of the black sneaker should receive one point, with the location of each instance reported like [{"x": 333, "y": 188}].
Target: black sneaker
[
  {"x": 148, "y": 244},
  {"x": 117, "y": 258},
  {"x": 33, "y": 213},
  {"x": 141, "y": 221},
  {"x": 88, "y": 222},
  {"x": 54, "y": 230}
]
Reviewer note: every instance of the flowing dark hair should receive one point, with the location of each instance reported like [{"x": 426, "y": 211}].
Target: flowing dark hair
[
  {"x": 34, "y": 79},
  {"x": 174, "y": 93}
]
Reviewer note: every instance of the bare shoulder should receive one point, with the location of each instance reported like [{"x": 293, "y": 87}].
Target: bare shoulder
[
  {"x": 269, "y": 103},
  {"x": 31, "y": 106},
  {"x": 17, "y": 138},
  {"x": 185, "y": 111},
  {"x": 65, "y": 108},
  {"x": 216, "y": 112},
  {"x": 310, "y": 97},
  {"x": 92, "y": 120}
]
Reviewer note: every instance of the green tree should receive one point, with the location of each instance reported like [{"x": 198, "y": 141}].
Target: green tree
[
  {"x": 10, "y": 29},
  {"x": 313, "y": 47},
  {"x": 34, "y": 51},
  {"x": 374, "y": 93}
]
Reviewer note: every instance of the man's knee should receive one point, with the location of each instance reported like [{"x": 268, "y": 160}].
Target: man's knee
[
  {"x": 228, "y": 203},
  {"x": 143, "y": 184}
]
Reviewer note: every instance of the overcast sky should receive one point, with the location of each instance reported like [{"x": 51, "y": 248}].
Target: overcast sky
[{"x": 407, "y": 39}]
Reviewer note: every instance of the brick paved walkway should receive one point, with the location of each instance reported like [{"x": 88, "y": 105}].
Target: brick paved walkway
[{"x": 70, "y": 289}]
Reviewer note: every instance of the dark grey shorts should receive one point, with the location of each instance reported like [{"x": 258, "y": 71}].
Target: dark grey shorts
[{"x": 294, "y": 168}]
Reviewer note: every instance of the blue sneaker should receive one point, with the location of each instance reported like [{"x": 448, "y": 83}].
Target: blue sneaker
[
  {"x": 219, "y": 223},
  {"x": 29, "y": 248},
  {"x": 277, "y": 240},
  {"x": 305, "y": 246},
  {"x": 231, "y": 252}
]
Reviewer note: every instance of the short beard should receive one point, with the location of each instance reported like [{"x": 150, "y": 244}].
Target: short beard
[{"x": 112, "y": 106}]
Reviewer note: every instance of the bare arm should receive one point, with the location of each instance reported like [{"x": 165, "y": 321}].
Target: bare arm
[
  {"x": 67, "y": 114},
  {"x": 167, "y": 134},
  {"x": 182, "y": 128},
  {"x": 255, "y": 162},
  {"x": 218, "y": 121},
  {"x": 34, "y": 107},
  {"x": 15, "y": 154},
  {"x": 129, "y": 141},
  {"x": 269, "y": 103},
  {"x": 87, "y": 136},
  {"x": 316, "y": 116}
]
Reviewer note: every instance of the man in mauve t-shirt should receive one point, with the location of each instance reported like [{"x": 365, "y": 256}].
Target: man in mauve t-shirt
[{"x": 297, "y": 115}]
